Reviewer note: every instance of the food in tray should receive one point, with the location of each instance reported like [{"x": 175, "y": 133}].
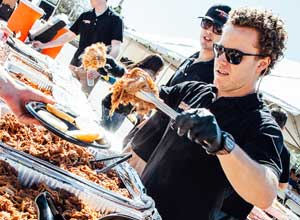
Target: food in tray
[
  {"x": 84, "y": 132},
  {"x": 42, "y": 144},
  {"x": 94, "y": 56},
  {"x": 17, "y": 202},
  {"x": 132, "y": 82},
  {"x": 55, "y": 111},
  {"x": 52, "y": 120},
  {"x": 36, "y": 68},
  {"x": 87, "y": 136},
  {"x": 30, "y": 83}
]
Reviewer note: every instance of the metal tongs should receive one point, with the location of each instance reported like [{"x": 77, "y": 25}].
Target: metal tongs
[
  {"x": 150, "y": 97},
  {"x": 46, "y": 207},
  {"x": 122, "y": 158}
]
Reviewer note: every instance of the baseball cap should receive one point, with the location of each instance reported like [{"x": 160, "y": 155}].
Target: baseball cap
[{"x": 218, "y": 14}]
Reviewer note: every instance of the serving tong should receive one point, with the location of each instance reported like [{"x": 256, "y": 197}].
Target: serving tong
[
  {"x": 121, "y": 158},
  {"x": 46, "y": 207},
  {"x": 150, "y": 97}
]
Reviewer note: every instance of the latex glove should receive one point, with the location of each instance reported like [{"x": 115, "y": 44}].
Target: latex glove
[
  {"x": 200, "y": 126},
  {"x": 113, "y": 67},
  {"x": 102, "y": 71}
]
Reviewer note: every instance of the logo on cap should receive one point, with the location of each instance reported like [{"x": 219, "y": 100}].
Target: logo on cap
[{"x": 222, "y": 13}]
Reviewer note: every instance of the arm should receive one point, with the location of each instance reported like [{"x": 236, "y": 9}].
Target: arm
[
  {"x": 16, "y": 96},
  {"x": 283, "y": 186},
  {"x": 66, "y": 37},
  {"x": 116, "y": 36},
  {"x": 256, "y": 183},
  {"x": 254, "y": 180},
  {"x": 115, "y": 48}
]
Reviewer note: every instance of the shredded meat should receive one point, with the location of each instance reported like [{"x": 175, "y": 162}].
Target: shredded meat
[
  {"x": 30, "y": 83},
  {"x": 94, "y": 56},
  {"x": 17, "y": 202},
  {"x": 124, "y": 89},
  {"x": 40, "y": 143}
]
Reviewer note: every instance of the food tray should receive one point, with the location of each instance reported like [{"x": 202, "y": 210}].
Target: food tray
[
  {"x": 32, "y": 171},
  {"x": 34, "y": 107}
]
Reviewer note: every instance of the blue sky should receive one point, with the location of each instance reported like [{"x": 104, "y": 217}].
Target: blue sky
[{"x": 178, "y": 18}]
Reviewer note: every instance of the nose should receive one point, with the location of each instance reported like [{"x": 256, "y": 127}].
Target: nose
[
  {"x": 221, "y": 60},
  {"x": 209, "y": 30}
]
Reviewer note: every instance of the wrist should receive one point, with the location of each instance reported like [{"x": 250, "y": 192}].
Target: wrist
[{"x": 227, "y": 144}]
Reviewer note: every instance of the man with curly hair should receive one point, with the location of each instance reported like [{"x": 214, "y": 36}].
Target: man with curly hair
[{"x": 224, "y": 139}]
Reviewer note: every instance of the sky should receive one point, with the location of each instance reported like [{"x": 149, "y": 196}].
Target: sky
[{"x": 177, "y": 18}]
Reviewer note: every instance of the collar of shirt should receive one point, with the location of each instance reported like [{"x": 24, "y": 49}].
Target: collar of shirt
[
  {"x": 101, "y": 14},
  {"x": 244, "y": 104}
]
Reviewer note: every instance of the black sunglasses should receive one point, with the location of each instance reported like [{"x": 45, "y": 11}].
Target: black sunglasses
[
  {"x": 233, "y": 56},
  {"x": 206, "y": 24}
]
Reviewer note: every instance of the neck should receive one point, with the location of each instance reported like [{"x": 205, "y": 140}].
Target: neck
[
  {"x": 205, "y": 55},
  {"x": 101, "y": 8},
  {"x": 236, "y": 93}
]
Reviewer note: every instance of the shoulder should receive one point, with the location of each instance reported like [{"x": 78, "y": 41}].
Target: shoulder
[
  {"x": 112, "y": 14},
  {"x": 196, "y": 86},
  {"x": 188, "y": 90},
  {"x": 263, "y": 122}
]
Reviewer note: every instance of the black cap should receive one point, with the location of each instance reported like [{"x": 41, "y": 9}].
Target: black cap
[{"x": 218, "y": 14}]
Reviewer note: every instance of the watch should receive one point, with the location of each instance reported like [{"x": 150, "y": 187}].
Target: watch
[{"x": 227, "y": 143}]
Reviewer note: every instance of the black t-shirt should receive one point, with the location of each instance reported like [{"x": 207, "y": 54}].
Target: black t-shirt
[
  {"x": 190, "y": 71},
  {"x": 92, "y": 29},
  {"x": 184, "y": 181},
  {"x": 237, "y": 207}
]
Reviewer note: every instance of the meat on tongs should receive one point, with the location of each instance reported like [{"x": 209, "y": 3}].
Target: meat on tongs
[{"x": 137, "y": 88}]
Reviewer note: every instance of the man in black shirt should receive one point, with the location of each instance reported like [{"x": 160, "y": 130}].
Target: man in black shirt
[
  {"x": 199, "y": 66},
  {"x": 192, "y": 163},
  {"x": 234, "y": 207},
  {"x": 98, "y": 25}
]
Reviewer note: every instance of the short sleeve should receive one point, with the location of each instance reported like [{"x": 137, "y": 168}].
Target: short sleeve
[
  {"x": 285, "y": 162},
  {"x": 118, "y": 29},
  {"x": 265, "y": 145},
  {"x": 75, "y": 28}
]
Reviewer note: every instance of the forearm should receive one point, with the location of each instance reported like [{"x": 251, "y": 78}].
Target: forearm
[
  {"x": 115, "y": 49},
  {"x": 67, "y": 37},
  {"x": 256, "y": 183},
  {"x": 7, "y": 85}
]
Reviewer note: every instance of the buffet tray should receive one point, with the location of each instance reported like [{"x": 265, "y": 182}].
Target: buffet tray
[{"x": 34, "y": 170}]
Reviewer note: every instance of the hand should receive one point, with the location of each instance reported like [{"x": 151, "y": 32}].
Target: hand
[
  {"x": 92, "y": 74},
  {"x": 102, "y": 71},
  {"x": 110, "y": 60},
  {"x": 37, "y": 45},
  {"x": 22, "y": 95},
  {"x": 113, "y": 67},
  {"x": 201, "y": 126}
]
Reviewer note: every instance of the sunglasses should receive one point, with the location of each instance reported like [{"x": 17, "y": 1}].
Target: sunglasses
[
  {"x": 206, "y": 24},
  {"x": 233, "y": 56}
]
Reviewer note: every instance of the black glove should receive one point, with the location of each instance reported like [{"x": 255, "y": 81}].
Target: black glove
[
  {"x": 113, "y": 67},
  {"x": 200, "y": 126},
  {"x": 102, "y": 71}
]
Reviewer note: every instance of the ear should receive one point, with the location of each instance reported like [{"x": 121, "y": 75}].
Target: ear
[{"x": 263, "y": 64}]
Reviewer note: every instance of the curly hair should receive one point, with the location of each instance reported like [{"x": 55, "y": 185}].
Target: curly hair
[{"x": 272, "y": 35}]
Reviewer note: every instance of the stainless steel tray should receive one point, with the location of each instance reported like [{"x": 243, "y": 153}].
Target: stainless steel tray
[{"x": 33, "y": 170}]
